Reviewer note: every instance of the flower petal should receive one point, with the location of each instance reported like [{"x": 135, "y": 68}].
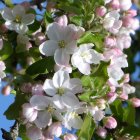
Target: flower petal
[
  {"x": 18, "y": 10},
  {"x": 48, "y": 48},
  {"x": 59, "y": 78},
  {"x": 34, "y": 133},
  {"x": 21, "y": 28},
  {"x": 28, "y": 19},
  {"x": 71, "y": 47},
  {"x": 76, "y": 122},
  {"x": 7, "y": 14},
  {"x": 43, "y": 119},
  {"x": 57, "y": 100},
  {"x": 70, "y": 100},
  {"x": 61, "y": 57},
  {"x": 49, "y": 87},
  {"x": 40, "y": 102}
]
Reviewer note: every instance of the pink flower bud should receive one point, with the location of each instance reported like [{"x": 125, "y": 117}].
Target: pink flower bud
[
  {"x": 110, "y": 122},
  {"x": 55, "y": 129},
  {"x": 3, "y": 28},
  {"x": 126, "y": 78},
  {"x": 102, "y": 132},
  {"x": 111, "y": 97},
  {"x": 50, "y": 6},
  {"x": 110, "y": 42},
  {"x": 37, "y": 89},
  {"x": 29, "y": 112},
  {"x": 135, "y": 101},
  {"x": 39, "y": 38},
  {"x": 62, "y": 21},
  {"x": 127, "y": 22},
  {"x": 131, "y": 13},
  {"x": 101, "y": 11},
  {"x": 6, "y": 90},
  {"x": 114, "y": 4},
  {"x": 26, "y": 87},
  {"x": 70, "y": 137},
  {"x": 28, "y": 45},
  {"x": 124, "y": 96}
]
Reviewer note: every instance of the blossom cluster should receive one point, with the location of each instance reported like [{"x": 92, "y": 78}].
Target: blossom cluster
[{"x": 56, "y": 103}]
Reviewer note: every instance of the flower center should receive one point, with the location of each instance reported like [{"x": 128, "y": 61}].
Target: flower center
[
  {"x": 18, "y": 19},
  {"x": 73, "y": 114},
  {"x": 62, "y": 44},
  {"x": 50, "y": 109},
  {"x": 60, "y": 91},
  {"x": 84, "y": 54}
]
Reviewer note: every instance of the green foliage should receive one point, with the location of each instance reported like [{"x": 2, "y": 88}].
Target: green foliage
[
  {"x": 44, "y": 65},
  {"x": 22, "y": 132},
  {"x": 87, "y": 129},
  {"x": 14, "y": 109}
]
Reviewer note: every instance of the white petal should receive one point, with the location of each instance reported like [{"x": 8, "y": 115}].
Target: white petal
[
  {"x": 40, "y": 102},
  {"x": 95, "y": 57},
  {"x": 18, "y": 10},
  {"x": 61, "y": 57},
  {"x": 76, "y": 122},
  {"x": 21, "y": 28},
  {"x": 7, "y": 14},
  {"x": 34, "y": 133},
  {"x": 76, "y": 59},
  {"x": 49, "y": 87},
  {"x": 48, "y": 48},
  {"x": 84, "y": 68},
  {"x": 57, "y": 100},
  {"x": 43, "y": 119},
  {"x": 70, "y": 100},
  {"x": 74, "y": 85},
  {"x": 10, "y": 25},
  {"x": 28, "y": 19},
  {"x": 54, "y": 31},
  {"x": 71, "y": 47},
  {"x": 58, "y": 115},
  {"x": 85, "y": 47},
  {"x": 59, "y": 78}
]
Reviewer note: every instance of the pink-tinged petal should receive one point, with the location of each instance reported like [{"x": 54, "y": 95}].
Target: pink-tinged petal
[
  {"x": 61, "y": 57},
  {"x": 62, "y": 20},
  {"x": 43, "y": 119},
  {"x": 57, "y": 100},
  {"x": 70, "y": 137},
  {"x": 48, "y": 48},
  {"x": 49, "y": 87},
  {"x": 59, "y": 78},
  {"x": 55, "y": 31},
  {"x": 39, "y": 102},
  {"x": 34, "y": 133},
  {"x": 7, "y": 14},
  {"x": 70, "y": 100},
  {"x": 74, "y": 85},
  {"x": 28, "y": 19},
  {"x": 18, "y": 10}
]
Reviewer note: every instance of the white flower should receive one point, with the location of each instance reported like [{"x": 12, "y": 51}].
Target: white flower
[
  {"x": 17, "y": 19},
  {"x": 97, "y": 113},
  {"x": 72, "y": 119},
  {"x": 128, "y": 89},
  {"x": 115, "y": 72},
  {"x": 112, "y": 22},
  {"x": 125, "y": 4},
  {"x": 63, "y": 89},
  {"x": 46, "y": 110},
  {"x": 84, "y": 56},
  {"x": 62, "y": 42},
  {"x": 2, "y": 68}
]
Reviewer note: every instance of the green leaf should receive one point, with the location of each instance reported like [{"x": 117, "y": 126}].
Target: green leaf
[
  {"x": 86, "y": 96},
  {"x": 48, "y": 18},
  {"x": 129, "y": 114},
  {"x": 6, "y": 51},
  {"x": 44, "y": 65},
  {"x": 77, "y": 20},
  {"x": 14, "y": 109},
  {"x": 8, "y": 3},
  {"x": 22, "y": 132},
  {"x": 87, "y": 129},
  {"x": 96, "y": 39}
]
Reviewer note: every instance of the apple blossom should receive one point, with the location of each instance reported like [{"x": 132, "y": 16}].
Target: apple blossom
[
  {"x": 125, "y": 4},
  {"x": 17, "y": 19},
  {"x": 6, "y": 90},
  {"x": 62, "y": 42},
  {"x": 85, "y": 56},
  {"x": 37, "y": 89},
  {"x": 2, "y": 68},
  {"x": 62, "y": 21},
  {"x": 115, "y": 4},
  {"x": 70, "y": 137},
  {"x": 100, "y": 11},
  {"x": 110, "y": 122},
  {"x": 135, "y": 102},
  {"x": 102, "y": 132},
  {"x": 63, "y": 89}
]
